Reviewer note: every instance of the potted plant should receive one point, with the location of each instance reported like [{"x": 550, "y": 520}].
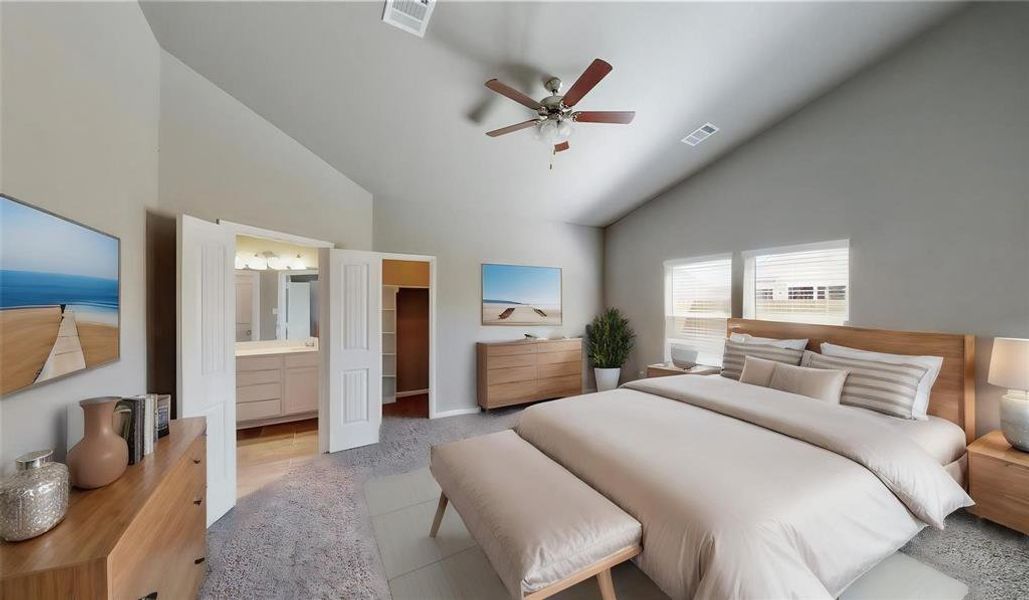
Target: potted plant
[{"x": 610, "y": 342}]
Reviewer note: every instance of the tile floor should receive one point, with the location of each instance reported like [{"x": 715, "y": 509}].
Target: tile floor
[
  {"x": 266, "y": 454},
  {"x": 452, "y": 567}
]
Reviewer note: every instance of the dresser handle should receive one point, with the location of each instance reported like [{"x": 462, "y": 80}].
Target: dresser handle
[
  {"x": 196, "y": 461},
  {"x": 198, "y": 501},
  {"x": 198, "y": 560},
  {"x": 150, "y": 596}
]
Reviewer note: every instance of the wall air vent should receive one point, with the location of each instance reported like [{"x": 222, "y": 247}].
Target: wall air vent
[
  {"x": 410, "y": 15},
  {"x": 702, "y": 133}
]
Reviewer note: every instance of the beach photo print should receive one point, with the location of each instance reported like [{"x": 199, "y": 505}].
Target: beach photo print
[
  {"x": 59, "y": 284},
  {"x": 519, "y": 295}
]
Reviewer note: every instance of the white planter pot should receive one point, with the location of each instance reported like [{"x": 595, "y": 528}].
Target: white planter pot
[{"x": 607, "y": 379}]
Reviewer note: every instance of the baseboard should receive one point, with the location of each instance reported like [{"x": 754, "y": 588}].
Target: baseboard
[
  {"x": 412, "y": 393},
  {"x": 456, "y": 412}
]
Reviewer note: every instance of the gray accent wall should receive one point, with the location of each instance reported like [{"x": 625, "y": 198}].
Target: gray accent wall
[{"x": 922, "y": 161}]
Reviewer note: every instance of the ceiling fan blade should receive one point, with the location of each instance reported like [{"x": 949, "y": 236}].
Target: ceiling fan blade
[
  {"x": 597, "y": 70},
  {"x": 560, "y": 147},
  {"x": 605, "y": 116},
  {"x": 512, "y": 128},
  {"x": 510, "y": 92}
]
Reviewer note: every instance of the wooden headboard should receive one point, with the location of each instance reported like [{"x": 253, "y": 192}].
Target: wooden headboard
[{"x": 953, "y": 394}]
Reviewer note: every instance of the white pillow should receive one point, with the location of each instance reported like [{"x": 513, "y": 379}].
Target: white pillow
[
  {"x": 757, "y": 371},
  {"x": 932, "y": 365},
  {"x": 746, "y": 337}
]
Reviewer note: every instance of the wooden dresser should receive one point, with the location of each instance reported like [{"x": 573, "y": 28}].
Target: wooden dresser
[
  {"x": 143, "y": 536},
  {"x": 528, "y": 370}
]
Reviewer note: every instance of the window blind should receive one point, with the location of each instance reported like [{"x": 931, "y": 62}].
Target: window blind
[
  {"x": 698, "y": 301},
  {"x": 809, "y": 284}
]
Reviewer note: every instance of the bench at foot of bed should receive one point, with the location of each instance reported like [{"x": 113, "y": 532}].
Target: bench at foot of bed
[{"x": 542, "y": 528}]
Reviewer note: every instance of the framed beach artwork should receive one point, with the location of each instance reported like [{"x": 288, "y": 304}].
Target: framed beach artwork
[
  {"x": 59, "y": 296},
  {"x": 520, "y": 295}
]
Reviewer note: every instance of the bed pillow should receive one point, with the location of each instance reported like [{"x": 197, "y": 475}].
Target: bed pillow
[
  {"x": 884, "y": 387},
  {"x": 933, "y": 364},
  {"x": 736, "y": 352},
  {"x": 757, "y": 371},
  {"x": 746, "y": 337},
  {"x": 820, "y": 384}
]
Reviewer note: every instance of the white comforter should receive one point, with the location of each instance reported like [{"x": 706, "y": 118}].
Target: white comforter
[{"x": 743, "y": 491}]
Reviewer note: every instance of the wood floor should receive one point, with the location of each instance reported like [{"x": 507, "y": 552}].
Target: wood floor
[
  {"x": 266, "y": 454},
  {"x": 409, "y": 407}
]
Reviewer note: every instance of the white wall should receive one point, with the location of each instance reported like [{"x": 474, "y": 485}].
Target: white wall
[
  {"x": 461, "y": 242},
  {"x": 922, "y": 161},
  {"x": 221, "y": 160},
  {"x": 79, "y": 124}
]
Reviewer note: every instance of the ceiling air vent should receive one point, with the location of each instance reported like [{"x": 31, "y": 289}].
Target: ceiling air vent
[
  {"x": 702, "y": 133},
  {"x": 410, "y": 15}
]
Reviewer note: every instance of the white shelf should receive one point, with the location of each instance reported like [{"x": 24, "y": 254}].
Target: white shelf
[
  {"x": 390, "y": 309},
  {"x": 389, "y": 353},
  {"x": 389, "y": 333},
  {"x": 389, "y": 376}
]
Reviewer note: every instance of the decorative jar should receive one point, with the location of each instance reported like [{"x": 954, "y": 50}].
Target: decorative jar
[{"x": 35, "y": 498}]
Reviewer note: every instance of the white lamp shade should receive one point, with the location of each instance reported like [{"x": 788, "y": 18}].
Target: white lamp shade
[{"x": 1009, "y": 363}]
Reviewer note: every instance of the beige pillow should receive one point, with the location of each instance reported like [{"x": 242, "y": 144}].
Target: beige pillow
[
  {"x": 821, "y": 384},
  {"x": 757, "y": 371}
]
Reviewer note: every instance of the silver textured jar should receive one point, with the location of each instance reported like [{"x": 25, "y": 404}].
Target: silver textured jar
[{"x": 35, "y": 498}]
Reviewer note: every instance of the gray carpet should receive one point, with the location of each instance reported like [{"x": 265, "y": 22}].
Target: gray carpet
[{"x": 309, "y": 535}]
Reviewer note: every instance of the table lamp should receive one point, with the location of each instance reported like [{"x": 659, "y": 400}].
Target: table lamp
[{"x": 1009, "y": 368}]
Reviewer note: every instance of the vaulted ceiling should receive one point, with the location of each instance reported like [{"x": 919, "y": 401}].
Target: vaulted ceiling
[{"x": 405, "y": 116}]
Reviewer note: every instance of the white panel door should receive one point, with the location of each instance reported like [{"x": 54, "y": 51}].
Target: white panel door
[
  {"x": 207, "y": 336},
  {"x": 351, "y": 343}
]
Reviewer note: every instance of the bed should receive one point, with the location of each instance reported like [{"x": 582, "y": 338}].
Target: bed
[{"x": 752, "y": 492}]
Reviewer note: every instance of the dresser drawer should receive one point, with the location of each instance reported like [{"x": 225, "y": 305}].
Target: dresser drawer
[
  {"x": 258, "y": 363},
  {"x": 558, "y": 369},
  {"x": 265, "y": 409},
  {"x": 245, "y": 378},
  {"x": 1000, "y": 490},
  {"x": 510, "y": 349},
  {"x": 255, "y": 393},
  {"x": 507, "y": 392},
  {"x": 544, "y": 358},
  {"x": 552, "y": 387},
  {"x": 560, "y": 345},
  {"x": 494, "y": 376},
  {"x": 514, "y": 360}
]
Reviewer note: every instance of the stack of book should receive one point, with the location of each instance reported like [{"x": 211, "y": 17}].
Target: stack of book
[{"x": 144, "y": 420}]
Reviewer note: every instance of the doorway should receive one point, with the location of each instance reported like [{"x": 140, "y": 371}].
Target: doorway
[
  {"x": 277, "y": 358},
  {"x": 406, "y": 336}
]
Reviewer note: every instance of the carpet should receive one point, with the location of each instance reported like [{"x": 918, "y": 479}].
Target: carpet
[{"x": 310, "y": 534}]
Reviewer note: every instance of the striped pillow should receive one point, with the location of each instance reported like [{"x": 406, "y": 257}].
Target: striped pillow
[
  {"x": 737, "y": 352},
  {"x": 888, "y": 388}
]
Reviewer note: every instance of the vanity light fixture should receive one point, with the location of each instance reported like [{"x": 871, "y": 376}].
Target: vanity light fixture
[
  {"x": 240, "y": 263},
  {"x": 297, "y": 264},
  {"x": 257, "y": 263}
]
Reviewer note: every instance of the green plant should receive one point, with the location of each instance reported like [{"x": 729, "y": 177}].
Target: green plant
[{"x": 610, "y": 339}]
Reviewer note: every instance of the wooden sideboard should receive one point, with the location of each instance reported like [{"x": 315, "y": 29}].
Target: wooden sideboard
[
  {"x": 528, "y": 370},
  {"x": 142, "y": 536}
]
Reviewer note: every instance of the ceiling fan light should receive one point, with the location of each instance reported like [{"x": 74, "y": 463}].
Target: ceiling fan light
[{"x": 554, "y": 131}]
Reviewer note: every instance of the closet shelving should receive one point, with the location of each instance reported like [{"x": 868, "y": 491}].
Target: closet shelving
[{"x": 389, "y": 343}]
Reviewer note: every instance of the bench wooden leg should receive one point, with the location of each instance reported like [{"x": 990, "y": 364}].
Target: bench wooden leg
[
  {"x": 440, "y": 509},
  {"x": 607, "y": 587}
]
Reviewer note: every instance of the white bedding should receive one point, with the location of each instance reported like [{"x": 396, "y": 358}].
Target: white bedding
[{"x": 746, "y": 492}]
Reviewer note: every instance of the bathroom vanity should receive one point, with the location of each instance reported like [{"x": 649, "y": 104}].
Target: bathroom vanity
[{"x": 275, "y": 383}]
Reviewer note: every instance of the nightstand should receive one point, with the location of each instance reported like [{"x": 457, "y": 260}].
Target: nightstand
[
  {"x": 998, "y": 478},
  {"x": 665, "y": 369}
]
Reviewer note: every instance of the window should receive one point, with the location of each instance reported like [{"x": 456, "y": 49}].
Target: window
[
  {"x": 698, "y": 301},
  {"x": 802, "y": 284}
]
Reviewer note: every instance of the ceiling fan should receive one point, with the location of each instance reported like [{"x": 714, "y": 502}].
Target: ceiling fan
[{"x": 554, "y": 113}]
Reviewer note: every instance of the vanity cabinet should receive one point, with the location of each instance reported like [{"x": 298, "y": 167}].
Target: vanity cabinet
[{"x": 276, "y": 388}]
